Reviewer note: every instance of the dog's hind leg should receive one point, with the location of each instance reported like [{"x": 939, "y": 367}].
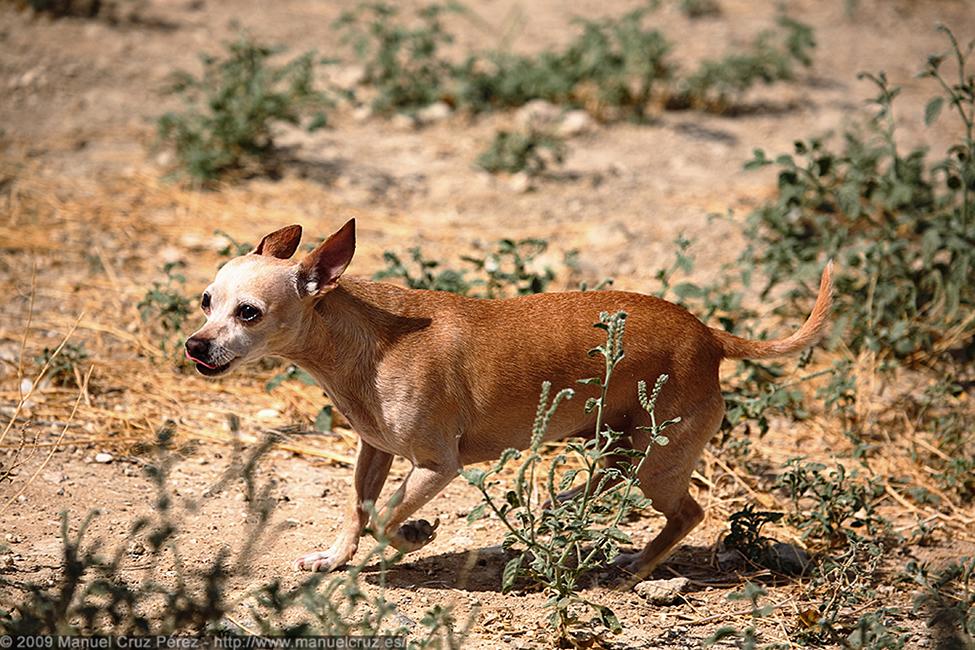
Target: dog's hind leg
[
  {"x": 422, "y": 484},
  {"x": 371, "y": 469},
  {"x": 681, "y": 520}
]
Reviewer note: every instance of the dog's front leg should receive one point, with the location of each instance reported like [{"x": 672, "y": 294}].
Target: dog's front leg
[
  {"x": 422, "y": 484},
  {"x": 371, "y": 470}
]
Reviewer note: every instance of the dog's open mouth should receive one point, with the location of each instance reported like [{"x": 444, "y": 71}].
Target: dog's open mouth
[{"x": 209, "y": 370}]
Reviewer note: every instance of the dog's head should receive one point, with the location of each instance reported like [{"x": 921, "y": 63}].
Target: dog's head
[{"x": 256, "y": 300}]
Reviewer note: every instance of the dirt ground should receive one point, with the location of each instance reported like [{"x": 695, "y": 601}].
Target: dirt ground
[{"x": 88, "y": 218}]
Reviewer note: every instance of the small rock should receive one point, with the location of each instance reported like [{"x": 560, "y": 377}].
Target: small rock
[
  {"x": 13, "y": 539},
  {"x": 103, "y": 457},
  {"x": 521, "y": 183},
  {"x": 538, "y": 113},
  {"x": 21, "y": 499},
  {"x": 662, "y": 592},
  {"x": 165, "y": 158},
  {"x": 6, "y": 562},
  {"x": 435, "y": 112},
  {"x": 268, "y": 414},
  {"x": 362, "y": 113},
  {"x": 403, "y": 122},
  {"x": 575, "y": 123},
  {"x": 292, "y": 523}
]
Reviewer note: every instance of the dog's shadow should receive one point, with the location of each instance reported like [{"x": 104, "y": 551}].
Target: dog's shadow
[{"x": 480, "y": 570}]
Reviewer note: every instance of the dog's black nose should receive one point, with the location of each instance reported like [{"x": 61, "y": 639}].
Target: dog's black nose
[{"x": 198, "y": 349}]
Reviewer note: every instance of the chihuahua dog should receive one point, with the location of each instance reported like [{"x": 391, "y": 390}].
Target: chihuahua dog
[{"x": 443, "y": 380}]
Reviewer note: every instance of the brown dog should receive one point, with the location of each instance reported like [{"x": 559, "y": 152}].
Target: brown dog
[{"x": 444, "y": 380}]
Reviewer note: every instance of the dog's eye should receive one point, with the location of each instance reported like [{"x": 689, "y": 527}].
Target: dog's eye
[
  {"x": 248, "y": 313},
  {"x": 205, "y": 302}
]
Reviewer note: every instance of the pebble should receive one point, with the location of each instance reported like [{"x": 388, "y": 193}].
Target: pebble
[
  {"x": 435, "y": 112},
  {"x": 575, "y": 123},
  {"x": 520, "y": 183},
  {"x": 268, "y": 414},
  {"x": 403, "y": 122},
  {"x": 662, "y": 592},
  {"x": 537, "y": 113},
  {"x": 103, "y": 457}
]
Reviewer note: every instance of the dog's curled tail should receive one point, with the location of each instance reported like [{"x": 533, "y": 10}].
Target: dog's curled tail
[{"x": 735, "y": 347}]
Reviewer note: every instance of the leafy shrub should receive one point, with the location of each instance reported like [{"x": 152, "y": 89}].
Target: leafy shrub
[
  {"x": 901, "y": 229},
  {"x": 612, "y": 62},
  {"x": 503, "y": 272},
  {"x": 556, "y": 543},
  {"x": 746, "y": 536},
  {"x": 403, "y": 63},
  {"x": 717, "y": 85},
  {"x": 232, "y": 109},
  {"x": 530, "y": 152},
  {"x": 164, "y": 308},
  {"x": 610, "y": 68},
  {"x": 840, "y": 502}
]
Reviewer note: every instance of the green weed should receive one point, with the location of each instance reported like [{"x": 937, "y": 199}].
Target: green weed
[
  {"x": 232, "y": 109},
  {"x": 64, "y": 368},
  {"x": 532, "y": 153},
  {"x": 841, "y": 503},
  {"x": 165, "y": 308},
  {"x": 718, "y": 85},
  {"x": 402, "y": 61},
  {"x": 506, "y": 271},
  {"x": 899, "y": 227},
  {"x": 559, "y": 541}
]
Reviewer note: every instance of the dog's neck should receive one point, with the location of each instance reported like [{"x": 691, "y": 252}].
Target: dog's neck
[{"x": 344, "y": 337}]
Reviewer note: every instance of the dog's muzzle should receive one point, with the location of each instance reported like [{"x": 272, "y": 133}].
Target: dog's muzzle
[{"x": 211, "y": 360}]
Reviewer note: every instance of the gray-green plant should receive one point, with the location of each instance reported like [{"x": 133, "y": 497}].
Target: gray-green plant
[
  {"x": 63, "y": 368},
  {"x": 164, "y": 308},
  {"x": 531, "y": 152},
  {"x": 719, "y": 85},
  {"x": 834, "y": 506},
  {"x": 558, "y": 541},
  {"x": 231, "y": 110},
  {"x": 902, "y": 230},
  {"x": 403, "y": 60},
  {"x": 505, "y": 271}
]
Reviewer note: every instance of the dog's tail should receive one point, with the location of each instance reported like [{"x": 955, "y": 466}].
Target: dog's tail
[{"x": 735, "y": 347}]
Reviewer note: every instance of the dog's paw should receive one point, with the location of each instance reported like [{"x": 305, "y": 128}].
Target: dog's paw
[
  {"x": 320, "y": 562},
  {"x": 625, "y": 571},
  {"x": 414, "y": 535}
]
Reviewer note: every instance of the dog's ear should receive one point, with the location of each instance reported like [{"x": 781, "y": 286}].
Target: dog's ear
[
  {"x": 281, "y": 243},
  {"x": 319, "y": 271}
]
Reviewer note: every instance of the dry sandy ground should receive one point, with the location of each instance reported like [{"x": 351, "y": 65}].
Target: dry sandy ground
[{"x": 83, "y": 202}]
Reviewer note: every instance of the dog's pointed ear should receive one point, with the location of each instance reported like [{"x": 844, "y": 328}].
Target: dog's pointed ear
[
  {"x": 281, "y": 243},
  {"x": 319, "y": 271}
]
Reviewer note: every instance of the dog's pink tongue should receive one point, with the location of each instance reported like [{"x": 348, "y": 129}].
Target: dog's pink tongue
[{"x": 195, "y": 360}]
